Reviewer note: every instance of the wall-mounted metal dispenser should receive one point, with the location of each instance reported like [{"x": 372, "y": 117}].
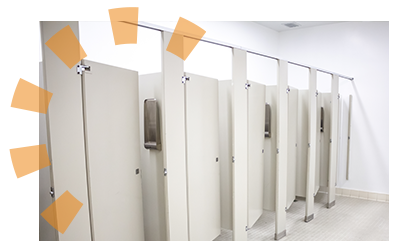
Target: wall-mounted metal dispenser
[
  {"x": 267, "y": 131},
  {"x": 322, "y": 120},
  {"x": 152, "y": 137}
]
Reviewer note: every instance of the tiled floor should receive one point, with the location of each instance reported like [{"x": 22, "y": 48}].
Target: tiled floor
[{"x": 351, "y": 219}]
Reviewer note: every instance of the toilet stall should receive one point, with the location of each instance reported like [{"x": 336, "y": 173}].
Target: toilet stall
[
  {"x": 202, "y": 158},
  {"x": 256, "y": 121}
]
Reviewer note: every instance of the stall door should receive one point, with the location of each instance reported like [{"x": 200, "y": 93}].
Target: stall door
[
  {"x": 111, "y": 113},
  {"x": 201, "y": 99},
  {"x": 256, "y": 124},
  {"x": 292, "y": 146}
]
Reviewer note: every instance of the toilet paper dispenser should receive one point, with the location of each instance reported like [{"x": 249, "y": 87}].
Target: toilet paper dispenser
[
  {"x": 152, "y": 137},
  {"x": 267, "y": 130}
]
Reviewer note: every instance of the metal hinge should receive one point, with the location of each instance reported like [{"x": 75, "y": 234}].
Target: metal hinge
[
  {"x": 80, "y": 68},
  {"x": 165, "y": 172},
  {"x": 316, "y": 93},
  {"x": 338, "y": 96},
  {"x": 185, "y": 78},
  {"x": 51, "y": 192},
  {"x": 277, "y": 150},
  {"x": 247, "y": 85},
  {"x": 233, "y": 159},
  {"x": 287, "y": 90},
  {"x": 246, "y": 228},
  {"x": 309, "y": 144}
]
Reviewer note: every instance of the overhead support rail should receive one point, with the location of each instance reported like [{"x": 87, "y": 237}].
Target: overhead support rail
[{"x": 223, "y": 44}]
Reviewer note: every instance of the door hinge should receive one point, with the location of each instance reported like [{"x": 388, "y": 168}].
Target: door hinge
[
  {"x": 246, "y": 228},
  {"x": 51, "y": 192},
  {"x": 233, "y": 159},
  {"x": 165, "y": 172},
  {"x": 287, "y": 90},
  {"x": 316, "y": 93},
  {"x": 277, "y": 150},
  {"x": 247, "y": 85},
  {"x": 185, "y": 78},
  {"x": 80, "y": 68}
]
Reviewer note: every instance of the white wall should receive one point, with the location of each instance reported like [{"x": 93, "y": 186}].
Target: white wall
[{"x": 360, "y": 50}]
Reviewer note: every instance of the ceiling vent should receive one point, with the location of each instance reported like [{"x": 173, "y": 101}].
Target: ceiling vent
[{"x": 291, "y": 25}]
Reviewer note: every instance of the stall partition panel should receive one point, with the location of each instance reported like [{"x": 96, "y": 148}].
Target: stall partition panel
[
  {"x": 292, "y": 145},
  {"x": 202, "y": 147},
  {"x": 225, "y": 151},
  {"x": 256, "y": 125},
  {"x": 111, "y": 113},
  {"x": 325, "y": 139},
  {"x": 302, "y": 143},
  {"x": 152, "y": 165},
  {"x": 66, "y": 132},
  {"x": 270, "y": 151}
]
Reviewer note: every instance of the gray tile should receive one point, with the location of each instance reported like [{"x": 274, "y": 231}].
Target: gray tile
[{"x": 351, "y": 219}]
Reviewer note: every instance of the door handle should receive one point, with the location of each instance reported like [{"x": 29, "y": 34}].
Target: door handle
[{"x": 51, "y": 192}]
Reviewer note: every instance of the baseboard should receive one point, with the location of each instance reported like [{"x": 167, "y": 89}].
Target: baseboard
[{"x": 362, "y": 194}]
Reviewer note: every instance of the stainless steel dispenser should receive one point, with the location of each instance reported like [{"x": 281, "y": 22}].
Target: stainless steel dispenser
[{"x": 152, "y": 137}]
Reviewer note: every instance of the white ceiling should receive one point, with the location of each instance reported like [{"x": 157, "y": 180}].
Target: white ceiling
[{"x": 278, "y": 25}]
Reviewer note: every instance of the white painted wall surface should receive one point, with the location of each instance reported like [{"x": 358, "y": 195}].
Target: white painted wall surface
[{"x": 360, "y": 50}]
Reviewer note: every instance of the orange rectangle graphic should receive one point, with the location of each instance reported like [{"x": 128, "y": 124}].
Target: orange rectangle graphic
[
  {"x": 62, "y": 212},
  {"x": 124, "y": 23},
  {"x": 31, "y": 97},
  {"x": 66, "y": 46},
  {"x": 29, "y": 159},
  {"x": 185, "y": 38}
]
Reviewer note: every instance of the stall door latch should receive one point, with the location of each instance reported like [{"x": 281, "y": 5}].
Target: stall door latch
[
  {"x": 82, "y": 68},
  {"x": 185, "y": 78}
]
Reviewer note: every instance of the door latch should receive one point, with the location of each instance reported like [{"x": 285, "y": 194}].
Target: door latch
[
  {"x": 51, "y": 192},
  {"x": 82, "y": 68},
  {"x": 185, "y": 78}
]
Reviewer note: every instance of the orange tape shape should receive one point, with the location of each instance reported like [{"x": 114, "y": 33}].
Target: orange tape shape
[
  {"x": 30, "y": 97},
  {"x": 66, "y": 46},
  {"x": 185, "y": 38},
  {"x": 29, "y": 159},
  {"x": 62, "y": 212},
  {"x": 124, "y": 23}
]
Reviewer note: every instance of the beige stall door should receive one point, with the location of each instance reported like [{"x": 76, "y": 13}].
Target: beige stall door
[
  {"x": 256, "y": 124},
  {"x": 201, "y": 98},
  {"x": 111, "y": 115}
]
